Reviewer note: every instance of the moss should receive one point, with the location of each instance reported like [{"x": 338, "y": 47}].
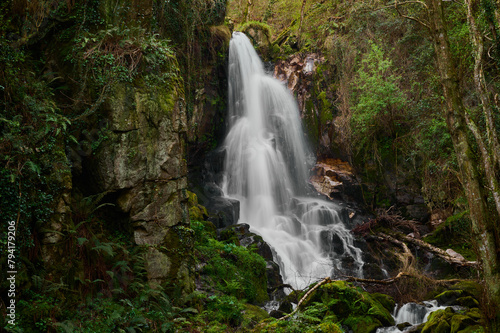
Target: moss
[
  {"x": 472, "y": 329},
  {"x": 327, "y": 327},
  {"x": 256, "y": 25},
  {"x": 349, "y": 304},
  {"x": 471, "y": 287},
  {"x": 197, "y": 212},
  {"x": 468, "y": 301},
  {"x": 449, "y": 297},
  {"x": 459, "y": 322},
  {"x": 363, "y": 324},
  {"x": 474, "y": 314},
  {"x": 443, "y": 327},
  {"x": 436, "y": 318},
  {"x": 255, "y": 313},
  {"x": 385, "y": 300}
]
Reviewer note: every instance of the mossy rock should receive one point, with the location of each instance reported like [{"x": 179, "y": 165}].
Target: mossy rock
[
  {"x": 385, "y": 300},
  {"x": 436, "y": 319},
  {"x": 402, "y": 326},
  {"x": 474, "y": 314},
  {"x": 363, "y": 324},
  {"x": 348, "y": 303},
  {"x": 197, "y": 212},
  {"x": 471, "y": 287},
  {"x": 468, "y": 301},
  {"x": 255, "y": 313},
  {"x": 442, "y": 327},
  {"x": 472, "y": 329},
  {"x": 460, "y": 322},
  {"x": 449, "y": 297}
]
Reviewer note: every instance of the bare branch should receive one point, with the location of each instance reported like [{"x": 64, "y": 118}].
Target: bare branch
[{"x": 409, "y": 17}]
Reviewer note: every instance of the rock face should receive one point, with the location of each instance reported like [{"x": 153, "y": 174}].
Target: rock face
[
  {"x": 335, "y": 179},
  {"x": 142, "y": 164}
]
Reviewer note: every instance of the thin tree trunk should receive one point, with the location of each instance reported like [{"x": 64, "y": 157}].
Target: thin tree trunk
[
  {"x": 479, "y": 81},
  {"x": 487, "y": 163},
  {"x": 483, "y": 226}
]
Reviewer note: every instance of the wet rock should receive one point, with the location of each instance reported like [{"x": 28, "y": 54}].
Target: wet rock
[{"x": 223, "y": 212}]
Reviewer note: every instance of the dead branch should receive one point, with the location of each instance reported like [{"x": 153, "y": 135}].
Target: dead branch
[
  {"x": 401, "y": 275},
  {"x": 325, "y": 280},
  {"x": 437, "y": 251},
  {"x": 373, "y": 281}
]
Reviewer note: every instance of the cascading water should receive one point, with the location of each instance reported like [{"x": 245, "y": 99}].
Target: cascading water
[
  {"x": 266, "y": 169},
  {"x": 413, "y": 314}
]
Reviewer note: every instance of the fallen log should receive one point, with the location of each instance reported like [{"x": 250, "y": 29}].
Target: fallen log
[{"x": 437, "y": 251}]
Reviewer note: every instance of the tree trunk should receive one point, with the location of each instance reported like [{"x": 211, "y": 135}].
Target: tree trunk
[
  {"x": 483, "y": 226},
  {"x": 490, "y": 152}
]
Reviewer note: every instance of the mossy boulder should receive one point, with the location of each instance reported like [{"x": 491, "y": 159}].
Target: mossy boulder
[
  {"x": 460, "y": 322},
  {"x": 385, "y": 300},
  {"x": 363, "y": 324},
  {"x": 353, "y": 307},
  {"x": 449, "y": 297},
  {"x": 436, "y": 320},
  {"x": 468, "y": 301},
  {"x": 255, "y": 314},
  {"x": 448, "y": 321}
]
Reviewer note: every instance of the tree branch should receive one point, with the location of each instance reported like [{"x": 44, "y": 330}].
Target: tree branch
[{"x": 325, "y": 280}]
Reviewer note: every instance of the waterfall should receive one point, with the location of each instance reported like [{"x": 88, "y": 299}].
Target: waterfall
[{"x": 267, "y": 168}]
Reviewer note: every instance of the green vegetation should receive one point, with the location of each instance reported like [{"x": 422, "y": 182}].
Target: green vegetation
[
  {"x": 231, "y": 269},
  {"x": 334, "y": 307}
]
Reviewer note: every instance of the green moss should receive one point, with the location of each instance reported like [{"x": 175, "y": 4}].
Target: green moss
[
  {"x": 436, "y": 318},
  {"x": 471, "y": 287},
  {"x": 197, "y": 212},
  {"x": 327, "y": 327},
  {"x": 363, "y": 324},
  {"x": 255, "y": 313},
  {"x": 229, "y": 268},
  {"x": 459, "y": 322},
  {"x": 256, "y": 25},
  {"x": 474, "y": 314},
  {"x": 385, "y": 300},
  {"x": 473, "y": 329},
  {"x": 449, "y": 296},
  {"x": 348, "y": 304},
  {"x": 468, "y": 301}
]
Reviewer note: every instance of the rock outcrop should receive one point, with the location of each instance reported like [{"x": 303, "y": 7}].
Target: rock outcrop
[{"x": 142, "y": 165}]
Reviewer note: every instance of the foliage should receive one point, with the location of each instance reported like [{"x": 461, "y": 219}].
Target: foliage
[
  {"x": 335, "y": 307},
  {"x": 378, "y": 105},
  {"x": 229, "y": 268}
]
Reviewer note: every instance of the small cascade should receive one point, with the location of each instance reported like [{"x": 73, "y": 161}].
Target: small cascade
[
  {"x": 412, "y": 313},
  {"x": 267, "y": 168}
]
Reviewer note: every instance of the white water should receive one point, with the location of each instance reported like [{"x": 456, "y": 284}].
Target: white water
[
  {"x": 412, "y": 313},
  {"x": 266, "y": 169}
]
